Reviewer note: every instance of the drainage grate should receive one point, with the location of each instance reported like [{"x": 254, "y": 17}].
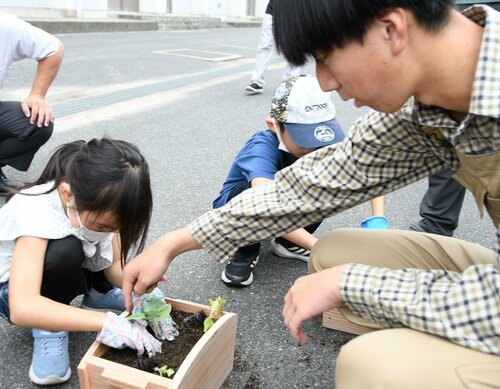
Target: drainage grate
[{"x": 83, "y": 104}]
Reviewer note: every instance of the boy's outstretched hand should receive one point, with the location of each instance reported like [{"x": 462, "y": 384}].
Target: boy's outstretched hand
[
  {"x": 310, "y": 296},
  {"x": 142, "y": 274}
]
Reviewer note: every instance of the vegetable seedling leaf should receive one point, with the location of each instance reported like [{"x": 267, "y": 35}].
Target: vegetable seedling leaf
[
  {"x": 155, "y": 309},
  {"x": 207, "y": 323},
  {"x": 137, "y": 316},
  {"x": 215, "y": 312},
  {"x": 165, "y": 371}
]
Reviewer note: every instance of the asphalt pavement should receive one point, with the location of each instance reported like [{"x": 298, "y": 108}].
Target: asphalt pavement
[{"x": 189, "y": 115}]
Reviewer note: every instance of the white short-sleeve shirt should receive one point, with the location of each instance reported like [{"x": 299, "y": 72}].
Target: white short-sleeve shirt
[
  {"x": 19, "y": 40},
  {"x": 43, "y": 216}
]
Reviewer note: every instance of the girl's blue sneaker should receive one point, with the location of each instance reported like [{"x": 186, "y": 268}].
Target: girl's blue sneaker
[
  {"x": 111, "y": 301},
  {"x": 375, "y": 222},
  {"x": 50, "y": 362}
]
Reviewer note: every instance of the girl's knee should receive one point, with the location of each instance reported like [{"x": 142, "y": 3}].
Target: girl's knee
[{"x": 64, "y": 254}]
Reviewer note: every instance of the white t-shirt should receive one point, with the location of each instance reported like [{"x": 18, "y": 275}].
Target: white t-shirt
[
  {"x": 43, "y": 216},
  {"x": 19, "y": 40}
]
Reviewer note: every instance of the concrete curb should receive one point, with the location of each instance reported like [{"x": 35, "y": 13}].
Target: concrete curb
[
  {"x": 74, "y": 26},
  {"x": 67, "y": 26}
]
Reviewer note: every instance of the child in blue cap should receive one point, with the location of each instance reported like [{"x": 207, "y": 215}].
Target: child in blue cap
[{"x": 302, "y": 121}]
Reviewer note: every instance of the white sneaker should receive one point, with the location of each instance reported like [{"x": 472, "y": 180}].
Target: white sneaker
[{"x": 292, "y": 251}]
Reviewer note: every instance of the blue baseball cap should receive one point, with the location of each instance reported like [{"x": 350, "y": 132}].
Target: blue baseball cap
[{"x": 307, "y": 112}]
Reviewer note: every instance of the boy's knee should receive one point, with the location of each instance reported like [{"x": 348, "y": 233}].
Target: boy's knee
[
  {"x": 331, "y": 248},
  {"x": 352, "y": 245},
  {"x": 362, "y": 363},
  {"x": 350, "y": 369}
]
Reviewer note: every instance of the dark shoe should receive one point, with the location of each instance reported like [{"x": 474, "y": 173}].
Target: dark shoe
[
  {"x": 239, "y": 269},
  {"x": 254, "y": 88},
  {"x": 7, "y": 183},
  {"x": 285, "y": 249},
  {"x": 417, "y": 226},
  {"x": 430, "y": 227}
]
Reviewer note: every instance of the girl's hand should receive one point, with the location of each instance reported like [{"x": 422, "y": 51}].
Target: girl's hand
[
  {"x": 162, "y": 328},
  {"x": 119, "y": 332}
]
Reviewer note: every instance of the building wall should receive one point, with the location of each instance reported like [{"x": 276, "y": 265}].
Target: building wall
[
  {"x": 224, "y": 9},
  {"x": 55, "y": 8},
  {"x": 156, "y": 7}
]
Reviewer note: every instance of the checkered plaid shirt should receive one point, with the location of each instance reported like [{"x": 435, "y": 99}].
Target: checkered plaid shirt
[{"x": 382, "y": 153}]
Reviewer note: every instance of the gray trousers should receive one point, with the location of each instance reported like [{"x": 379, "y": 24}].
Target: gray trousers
[
  {"x": 264, "y": 54},
  {"x": 19, "y": 139},
  {"x": 441, "y": 205}
]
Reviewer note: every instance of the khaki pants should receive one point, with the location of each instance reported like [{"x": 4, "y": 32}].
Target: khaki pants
[{"x": 404, "y": 358}]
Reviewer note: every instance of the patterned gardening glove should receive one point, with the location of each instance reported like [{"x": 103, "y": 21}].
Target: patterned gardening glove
[
  {"x": 119, "y": 332},
  {"x": 375, "y": 222},
  {"x": 157, "y": 314}
]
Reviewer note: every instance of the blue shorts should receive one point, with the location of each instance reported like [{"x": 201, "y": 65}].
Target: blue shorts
[{"x": 4, "y": 301}]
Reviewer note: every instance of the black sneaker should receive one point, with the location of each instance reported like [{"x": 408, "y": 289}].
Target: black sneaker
[
  {"x": 416, "y": 226},
  {"x": 285, "y": 249},
  {"x": 7, "y": 183},
  {"x": 238, "y": 271},
  {"x": 254, "y": 88}
]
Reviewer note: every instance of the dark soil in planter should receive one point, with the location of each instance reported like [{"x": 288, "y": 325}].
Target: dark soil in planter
[{"x": 172, "y": 354}]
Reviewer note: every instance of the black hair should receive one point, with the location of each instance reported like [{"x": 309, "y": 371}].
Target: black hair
[
  {"x": 304, "y": 27},
  {"x": 106, "y": 175}
]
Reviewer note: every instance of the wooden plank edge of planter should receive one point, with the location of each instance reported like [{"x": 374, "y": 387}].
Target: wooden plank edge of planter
[
  {"x": 112, "y": 372},
  {"x": 194, "y": 372},
  {"x": 334, "y": 320}
]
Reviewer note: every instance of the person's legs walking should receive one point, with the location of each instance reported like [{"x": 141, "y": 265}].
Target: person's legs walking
[
  {"x": 404, "y": 358},
  {"x": 441, "y": 205},
  {"x": 264, "y": 52}
]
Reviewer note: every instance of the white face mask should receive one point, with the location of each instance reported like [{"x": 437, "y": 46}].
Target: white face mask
[
  {"x": 87, "y": 234},
  {"x": 281, "y": 146}
]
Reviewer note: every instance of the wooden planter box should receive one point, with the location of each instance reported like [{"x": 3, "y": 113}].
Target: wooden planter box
[{"x": 206, "y": 366}]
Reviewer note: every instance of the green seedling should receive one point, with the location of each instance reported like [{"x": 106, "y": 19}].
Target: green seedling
[
  {"x": 154, "y": 311},
  {"x": 215, "y": 312},
  {"x": 165, "y": 371}
]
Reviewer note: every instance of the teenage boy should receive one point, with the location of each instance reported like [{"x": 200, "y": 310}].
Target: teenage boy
[
  {"x": 441, "y": 205},
  {"x": 435, "y": 111},
  {"x": 302, "y": 120},
  {"x": 433, "y": 76}
]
